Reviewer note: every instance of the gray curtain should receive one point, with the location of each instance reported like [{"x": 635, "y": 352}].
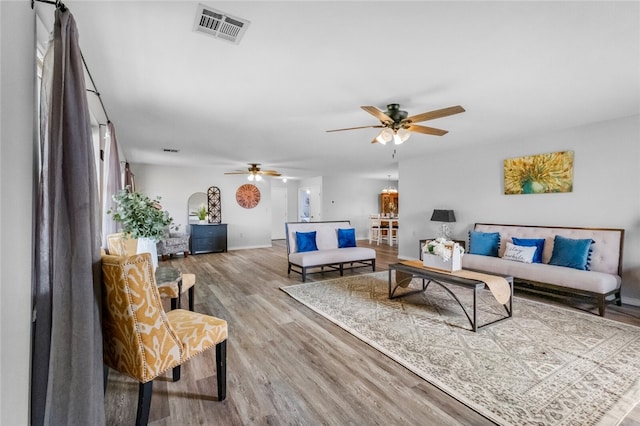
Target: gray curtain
[
  {"x": 67, "y": 380},
  {"x": 112, "y": 182}
]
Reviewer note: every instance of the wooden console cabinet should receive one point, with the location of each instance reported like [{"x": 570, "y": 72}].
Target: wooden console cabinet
[
  {"x": 389, "y": 203},
  {"x": 207, "y": 238}
]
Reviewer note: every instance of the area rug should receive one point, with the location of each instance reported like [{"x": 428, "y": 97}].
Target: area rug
[{"x": 545, "y": 366}]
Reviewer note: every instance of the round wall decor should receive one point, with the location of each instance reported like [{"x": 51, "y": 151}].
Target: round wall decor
[{"x": 248, "y": 196}]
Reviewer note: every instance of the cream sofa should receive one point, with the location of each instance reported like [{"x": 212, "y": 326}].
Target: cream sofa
[
  {"x": 602, "y": 283},
  {"x": 328, "y": 255}
]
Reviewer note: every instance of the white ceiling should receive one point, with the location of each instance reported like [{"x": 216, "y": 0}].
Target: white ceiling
[{"x": 518, "y": 68}]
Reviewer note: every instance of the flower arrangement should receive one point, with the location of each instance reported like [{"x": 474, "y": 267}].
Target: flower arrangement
[
  {"x": 139, "y": 215},
  {"x": 441, "y": 247}
]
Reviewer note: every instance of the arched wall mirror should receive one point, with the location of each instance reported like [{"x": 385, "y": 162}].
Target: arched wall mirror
[{"x": 197, "y": 201}]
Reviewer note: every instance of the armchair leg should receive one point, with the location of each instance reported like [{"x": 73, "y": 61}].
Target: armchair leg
[
  {"x": 176, "y": 373},
  {"x": 105, "y": 377},
  {"x": 221, "y": 369},
  {"x": 191, "y": 301},
  {"x": 144, "y": 403}
]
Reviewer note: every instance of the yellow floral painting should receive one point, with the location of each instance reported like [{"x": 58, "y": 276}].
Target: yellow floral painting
[{"x": 539, "y": 174}]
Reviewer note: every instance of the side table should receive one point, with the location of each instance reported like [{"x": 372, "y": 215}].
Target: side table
[{"x": 169, "y": 283}]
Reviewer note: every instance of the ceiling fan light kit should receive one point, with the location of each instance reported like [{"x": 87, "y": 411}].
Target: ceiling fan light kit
[
  {"x": 387, "y": 135},
  {"x": 397, "y": 125}
]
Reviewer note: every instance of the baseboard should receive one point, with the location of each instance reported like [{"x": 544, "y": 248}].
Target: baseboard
[
  {"x": 249, "y": 247},
  {"x": 631, "y": 301},
  {"x": 406, "y": 258}
]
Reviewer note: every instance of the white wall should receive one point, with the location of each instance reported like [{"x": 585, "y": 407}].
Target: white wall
[
  {"x": 17, "y": 77},
  {"x": 347, "y": 197},
  {"x": 605, "y": 191},
  {"x": 342, "y": 197},
  {"x": 247, "y": 228}
]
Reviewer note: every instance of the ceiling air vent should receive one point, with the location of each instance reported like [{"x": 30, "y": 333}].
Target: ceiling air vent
[{"x": 219, "y": 24}]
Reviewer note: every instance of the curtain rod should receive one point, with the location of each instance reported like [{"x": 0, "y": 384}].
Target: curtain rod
[
  {"x": 59, "y": 5},
  {"x": 94, "y": 86}
]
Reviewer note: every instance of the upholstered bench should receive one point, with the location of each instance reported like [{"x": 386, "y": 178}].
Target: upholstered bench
[{"x": 320, "y": 245}]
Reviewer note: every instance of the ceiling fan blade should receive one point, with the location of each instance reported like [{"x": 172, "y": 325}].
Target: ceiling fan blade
[
  {"x": 353, "y": 128},
  {"x": 427, "y": 130},
  {"x": 434, "y": 114},
  {"x": 268, "y": 173},
  {"x": 377, "y": 114},
  {"x": 237, "y": 172}
]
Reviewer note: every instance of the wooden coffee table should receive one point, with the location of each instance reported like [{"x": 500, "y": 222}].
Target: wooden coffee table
[{"x": 405, "y": 273}]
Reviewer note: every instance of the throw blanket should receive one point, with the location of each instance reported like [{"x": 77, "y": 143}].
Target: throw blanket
[{"x": 499, "y": 286}]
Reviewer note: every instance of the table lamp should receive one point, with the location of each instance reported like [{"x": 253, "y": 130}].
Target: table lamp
[{"x": 444, "y": 216}]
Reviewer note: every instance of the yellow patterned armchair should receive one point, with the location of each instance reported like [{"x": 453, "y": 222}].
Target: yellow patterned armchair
[
  {"x": 120, "y": 245},
  {"x": 143, "y": 341}
]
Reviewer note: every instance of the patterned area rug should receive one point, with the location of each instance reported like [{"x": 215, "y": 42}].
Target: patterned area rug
[{"x": 545, "y": 366}]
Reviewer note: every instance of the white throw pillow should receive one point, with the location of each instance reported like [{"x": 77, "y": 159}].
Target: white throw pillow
[{"x": 519, "y": 253}]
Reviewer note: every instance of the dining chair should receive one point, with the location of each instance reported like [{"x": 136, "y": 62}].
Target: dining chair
[
  {"x": 389, "y": 230},
  {"x": 375, "y": 231},
  {"x": 143, "y": 341}
]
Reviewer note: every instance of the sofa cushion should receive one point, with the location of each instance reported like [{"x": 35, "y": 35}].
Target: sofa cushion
[
  {"x": 306, "y": 241},
  {"x": 598, "y": 282},
  {"x": 332, "y": 256},
  {"x": 484, "y": 243},
  {"x": 572, "y": 253},
  {"x": 528, "y": 242},
  {"x": 346, "y": 237},
  {"x": 517, "y": 253}
]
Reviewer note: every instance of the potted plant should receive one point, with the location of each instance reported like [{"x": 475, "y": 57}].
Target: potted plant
[
  {"x": 141, "y": 218},
  {"x": 202, "y": 214}
]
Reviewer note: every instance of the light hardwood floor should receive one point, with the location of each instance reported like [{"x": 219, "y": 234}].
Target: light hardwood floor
[{"x": 287, "y": 365}]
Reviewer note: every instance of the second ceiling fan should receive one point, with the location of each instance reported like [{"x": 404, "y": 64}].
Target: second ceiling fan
[
  {"x": 397, "y": 125},
  {"x": 255, "y": 172}
]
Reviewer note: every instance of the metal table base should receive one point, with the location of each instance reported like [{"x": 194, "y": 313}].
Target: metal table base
[{"x": 428, "y": 276}]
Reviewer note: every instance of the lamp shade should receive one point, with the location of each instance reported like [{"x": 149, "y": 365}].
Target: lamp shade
[
  {"x": 385, "y": 135},
  {"x": 443, "y": 216}
]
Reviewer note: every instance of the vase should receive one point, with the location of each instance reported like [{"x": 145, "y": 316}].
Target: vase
[{"x": 148, "y": 245}]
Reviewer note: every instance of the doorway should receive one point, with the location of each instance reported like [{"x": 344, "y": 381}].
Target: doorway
[
  {"x": 278, "y": 212},
  {"x": 304, "y": 205}
]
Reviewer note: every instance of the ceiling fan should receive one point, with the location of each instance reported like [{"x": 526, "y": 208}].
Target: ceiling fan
[
  {"x": 397, "y": 126},
  {"x": 254, "y": 172}
]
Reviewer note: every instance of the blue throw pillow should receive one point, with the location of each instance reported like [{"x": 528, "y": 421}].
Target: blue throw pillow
[
  {"x": 306, "y": 241},
  {"x": 484, "y": 243},
  {"x": 346, "y": 237},
  {"x": 571, "y": 253},
  {"x": 531, "y": 242}
]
